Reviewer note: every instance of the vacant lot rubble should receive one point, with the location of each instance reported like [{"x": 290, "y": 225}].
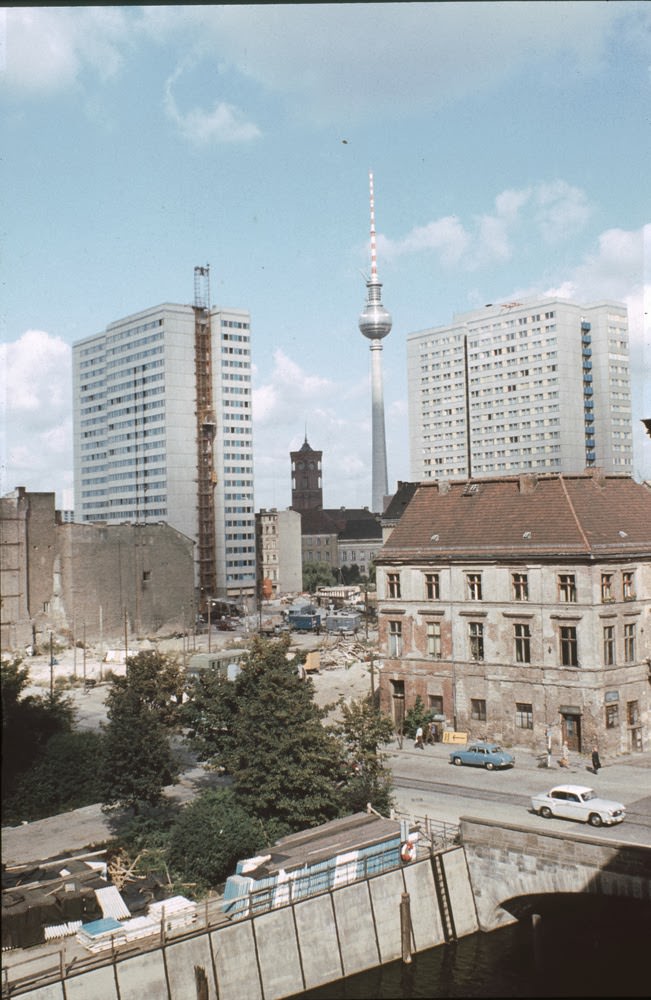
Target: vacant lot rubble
[{"x": 342, "y": 652}]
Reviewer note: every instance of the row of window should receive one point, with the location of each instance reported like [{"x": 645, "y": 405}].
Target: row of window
[
  {"x": 566, "y": 586},
  {"x": 567, "y": 641},
  {"x": 524, "y": 713}
]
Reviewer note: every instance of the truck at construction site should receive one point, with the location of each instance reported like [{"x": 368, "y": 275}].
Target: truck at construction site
[
  {"x": 343, "y": 622},
  {"x": 305, "y": 619}
]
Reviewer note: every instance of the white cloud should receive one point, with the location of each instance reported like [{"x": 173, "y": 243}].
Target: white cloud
[
  {"x": 329, "y": 60},
  {"x": 224, "y": 123},
  {"x": 366, "y": 56},
  {"x": 37, "y": 415},
  {"x": 554, "y": 211},
  {"x": 561, "y": 210},
  {"x": 47, "y": 49}
]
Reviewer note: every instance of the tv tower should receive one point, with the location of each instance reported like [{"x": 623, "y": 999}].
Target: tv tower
[{"x": 375, "y": 323}]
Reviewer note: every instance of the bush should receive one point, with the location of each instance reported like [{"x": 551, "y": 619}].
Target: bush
[
  {"x": 211, "y": 835},
  {"x": 65, "y": 776},
  {"x": 417, "y": 716}
]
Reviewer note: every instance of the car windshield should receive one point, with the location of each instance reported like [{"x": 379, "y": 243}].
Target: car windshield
[{"x": 586, "y": 796}]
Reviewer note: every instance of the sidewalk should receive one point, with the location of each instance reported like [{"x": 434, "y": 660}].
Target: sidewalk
[{"x": 627, "y": 778}]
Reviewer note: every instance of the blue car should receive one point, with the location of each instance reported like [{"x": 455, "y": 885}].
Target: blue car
[{"x": 488, "y": 755}]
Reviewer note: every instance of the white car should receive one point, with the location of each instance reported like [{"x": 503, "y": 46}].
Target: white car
[{"x": 578, "y": 802}]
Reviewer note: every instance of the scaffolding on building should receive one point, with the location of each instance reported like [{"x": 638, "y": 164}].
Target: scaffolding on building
[{"x": 206, "y": 431}]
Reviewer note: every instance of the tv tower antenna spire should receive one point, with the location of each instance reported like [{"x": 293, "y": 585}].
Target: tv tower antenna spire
[{"x": 375, "y": 323}]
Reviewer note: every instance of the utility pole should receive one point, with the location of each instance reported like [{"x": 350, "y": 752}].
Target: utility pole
[
  {"x": 84, "y": 660},
  {"x": 51, "y": 669}
]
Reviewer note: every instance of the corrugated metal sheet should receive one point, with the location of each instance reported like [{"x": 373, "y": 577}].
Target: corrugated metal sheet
[{"x": 111, "y": 903}]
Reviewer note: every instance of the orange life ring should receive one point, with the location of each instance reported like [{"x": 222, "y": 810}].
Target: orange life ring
[{"x": 408, "y": 851}]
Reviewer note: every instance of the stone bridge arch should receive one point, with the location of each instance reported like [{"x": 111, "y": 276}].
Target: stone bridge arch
[{"x": 512, "y": 863}]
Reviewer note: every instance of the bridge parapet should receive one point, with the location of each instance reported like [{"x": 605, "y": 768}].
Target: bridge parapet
[{"x": 509, "y": 862}]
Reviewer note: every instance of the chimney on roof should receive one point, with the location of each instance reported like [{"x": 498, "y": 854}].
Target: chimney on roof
[
  {"x": 528, "y": 483},
  {"x": 444, "y": 486}
]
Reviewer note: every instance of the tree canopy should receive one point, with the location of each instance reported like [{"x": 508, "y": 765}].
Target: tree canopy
[
  {"x": 28, "y": 722},
  {"x": 211, "y": 835},
  {"x": 362, "y": 730},
  {"x": 265, "y": 730},
  {"x": 142, "y": 707}
]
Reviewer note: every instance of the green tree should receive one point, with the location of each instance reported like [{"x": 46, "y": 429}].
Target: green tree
[
  {"x": 362, "y": 730},
  {"x": 28, "y": 722},
  {"x": 65, "y": 776},
  {"x": 317, "y": 575},
  {"x": 417, "y": 716},
  {"x": 142, "y": 707},
  {"x": 265, "y": 730},
  {"x": 211, "y": 835}
]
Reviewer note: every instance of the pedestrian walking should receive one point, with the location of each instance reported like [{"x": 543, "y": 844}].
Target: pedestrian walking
[
  {"x": 596, "y": 763},
  {"x": 419, "y": 738}
]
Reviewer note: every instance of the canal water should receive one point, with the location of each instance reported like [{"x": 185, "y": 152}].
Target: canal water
[{"x": 585, "y": 946}]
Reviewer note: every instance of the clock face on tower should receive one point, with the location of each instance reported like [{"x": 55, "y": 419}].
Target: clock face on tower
[{"x": 299, "y": 465}]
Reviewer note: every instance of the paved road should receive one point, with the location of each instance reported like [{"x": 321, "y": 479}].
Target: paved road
[{"x": 425, "y": 785}]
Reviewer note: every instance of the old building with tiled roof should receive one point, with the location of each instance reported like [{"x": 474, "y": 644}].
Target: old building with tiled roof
[{"x": 515, "y": 604}]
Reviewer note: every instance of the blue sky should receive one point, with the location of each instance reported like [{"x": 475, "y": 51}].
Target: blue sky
[{"x": 510, "y": 145}]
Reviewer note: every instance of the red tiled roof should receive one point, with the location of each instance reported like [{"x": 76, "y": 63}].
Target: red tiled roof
[{"x": 585, "y": 514}]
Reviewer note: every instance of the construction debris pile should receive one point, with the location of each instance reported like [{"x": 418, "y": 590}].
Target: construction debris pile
[{"x": 340, "y": 651}]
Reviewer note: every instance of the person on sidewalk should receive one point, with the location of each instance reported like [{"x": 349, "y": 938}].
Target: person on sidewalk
[
  {"x": 596, "y": 763},
  {"x": 419, "y": 738}
]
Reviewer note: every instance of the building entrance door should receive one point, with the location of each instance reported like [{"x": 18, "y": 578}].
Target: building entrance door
[
  {"x": 571, "y": 730},
  {"x": 398, "y": 705}
]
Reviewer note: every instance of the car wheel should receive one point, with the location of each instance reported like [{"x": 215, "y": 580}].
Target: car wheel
[
  {"x": 546, "y": 812},
  {"x": 457, "y": 761},
  {"x": 489, "y": 765},
  {"x": 594, "y": 819}
]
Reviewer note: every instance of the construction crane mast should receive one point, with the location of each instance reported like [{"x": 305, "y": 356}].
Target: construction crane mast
[{"x": 206, "y": 430}]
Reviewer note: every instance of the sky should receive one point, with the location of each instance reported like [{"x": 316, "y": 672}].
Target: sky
[{"x": 510, "y": 145}]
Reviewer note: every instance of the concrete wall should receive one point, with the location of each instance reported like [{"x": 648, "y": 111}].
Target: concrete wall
[
  {"x": 339, "y": 933},
  {"x": 80, "y": 578},
  {"x": 506, "y": 863},
  {"x": 289, "y": 950}
]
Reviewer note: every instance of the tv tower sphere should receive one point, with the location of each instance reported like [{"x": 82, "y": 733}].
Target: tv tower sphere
[{"x": 375, "y": 323}]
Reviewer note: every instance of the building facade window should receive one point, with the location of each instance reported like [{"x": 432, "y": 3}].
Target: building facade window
[
  {"x": 523, "y": 715},
  {"x": 569, "y": 646},
  {"x": 633, "y": 713},
  {"x": 629, "y": 642},
  {"x": 476, "y": 639},
  {"x": 609, "y": 645},
  {"x": 393, "y": 584},
  {"x": 395, "y": 638},
  {"x": 478, "y": 709},
  {"x": 435, "y": 704},
  {"x": 432, "y": 586},
  {"x": 567, "y": 588},
  {"x": 628, "y": 585},
  {"x": 522, "y": 635},
  {"x": 434, "y": 640},
  {"x": 473, "y": 581},
  {"x": 612, "y": 716},
  {"x": 520, "y": 587},
  {"x": 607, "y": 592}
]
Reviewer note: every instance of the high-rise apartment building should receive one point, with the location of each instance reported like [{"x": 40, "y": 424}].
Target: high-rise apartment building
[
  {"x": 534, "y": 386},
  {"x": 163, "y": 432}
]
